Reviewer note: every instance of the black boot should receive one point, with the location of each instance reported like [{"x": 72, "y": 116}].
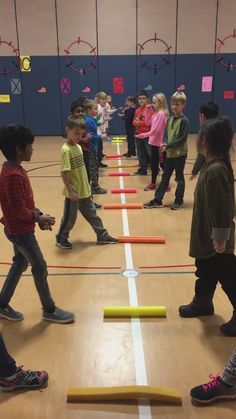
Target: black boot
[
  {"x": 229, "y": 328},
  {"x": 197, "y": 308}
]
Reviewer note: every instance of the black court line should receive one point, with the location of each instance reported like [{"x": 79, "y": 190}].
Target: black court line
[{"x": 42, "y": 167}]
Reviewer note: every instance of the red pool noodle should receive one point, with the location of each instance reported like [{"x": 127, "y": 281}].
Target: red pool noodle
[
  {"x": 142, "y": 239},
  {"x": 119, "y": 174},
  {"x": 113, "y": 156},
  {"x": 125, "y": 190},
  {"x": 122, "y": 206}
]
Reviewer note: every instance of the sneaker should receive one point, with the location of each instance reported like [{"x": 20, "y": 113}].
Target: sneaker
[
  {"x": 97, "y": 206},
  {"x": 107, "y": 240},
  {"x": 64, "y": 245},
  {"x": 59, "y": 316},
  {"x": 10, "y": 314},
  {"x": 103, "y": 165},
  {"x": 98, "y": 190},
  {"x": 150, "y": 187},
  {"x": 177, "y": 206},
  {"x": 229, "y": 328},
  {"x": 214, "y": 390},
  {"x": 140, "y": 173},
  {"x": 154, "y": 203},
  {"x": 24, "y": 380},
  {"x": 168, "y": 188},
  {"x": 197, "y": 309}
]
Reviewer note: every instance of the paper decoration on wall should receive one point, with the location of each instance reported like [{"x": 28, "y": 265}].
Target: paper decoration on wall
[
  {"x": 181, "y": 88},
  {"x": 65, "y": 86},
  {"x": 87, "y": 89},
  {"x": 5, "y": 99},
  {"x": 163, "y": 58},
  {"x": 42, "y": 90},
  {"x": 16, "y": 86},
  {"x": 118, "y": 85},
  {"x": 148, "y": 87},
  {"x": 15, "y": 61},
  {"x": 71, "y": 51},
  {"x": 220, "y": 50},
  {"x": 25, "y": 63},
  {"x": 207, "y": 83},
  {"x": 228, "y": 94}
]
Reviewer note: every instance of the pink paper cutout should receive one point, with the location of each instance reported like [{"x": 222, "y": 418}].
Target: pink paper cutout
[
  {"x": 228, "y": 94},
  {"x": 181, "y": 87},
  {"x": 65, "y": 86},
  {"x": 87, "y": 89},
  {"x": 42, "y": 90},
  {"x": 207, "y": 83}
]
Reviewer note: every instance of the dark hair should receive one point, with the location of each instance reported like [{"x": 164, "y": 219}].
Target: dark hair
[
  {"x": 209, "y": 110},
  {"x": 132, "y": 99},
  {"x": 75, "y": 104},
  {"x": 218, "y": 135},
  {"x": 13, "y": 136},
  {"x": 75, "y": 122},
  {"x": 143, "y": 93}
]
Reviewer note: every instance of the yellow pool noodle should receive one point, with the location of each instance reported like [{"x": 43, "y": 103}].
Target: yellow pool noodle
[
  {"x": 135, "y": 311},
  {"x": 89, "y": 394}
]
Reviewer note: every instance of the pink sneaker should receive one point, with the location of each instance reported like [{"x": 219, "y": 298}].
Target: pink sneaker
[{"x": 150, "y": 187}]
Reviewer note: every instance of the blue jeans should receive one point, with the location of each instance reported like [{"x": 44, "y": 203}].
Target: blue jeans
[
  {"x": 7, "y": 363},
  {"x": 176, "y": 164},
  {"x": 27, "y": 251}
]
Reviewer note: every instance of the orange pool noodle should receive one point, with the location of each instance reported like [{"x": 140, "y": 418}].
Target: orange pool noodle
[
  {"x": 119, "y": 174},
  {"x": 142, "y": 239},
  {"x": 125, "y": 190},
  {"x": 114, "y": 156},
  {"x": 122, "y": 206}
]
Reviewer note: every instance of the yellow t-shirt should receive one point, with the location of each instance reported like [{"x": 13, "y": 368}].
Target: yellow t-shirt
[{"x": 72, "y": 161}]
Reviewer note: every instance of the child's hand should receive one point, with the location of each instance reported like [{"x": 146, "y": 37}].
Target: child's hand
[
  {"x": 219, "y": 246},
  {"x": 104, "y": 137},
  {"x": 163, "y": 148},
  {"x": 73, "y": 196},
  {"x": 46, "y": 222}
]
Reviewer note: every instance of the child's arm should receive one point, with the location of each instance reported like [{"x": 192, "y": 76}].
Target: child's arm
[
  {"x": 182, "y": 137},
  {"x": 199, "y": 162},
  {"x": 15, "y": 190},
  {"x": 157, "y": 126},
  {"x": 72, "y": 194}
]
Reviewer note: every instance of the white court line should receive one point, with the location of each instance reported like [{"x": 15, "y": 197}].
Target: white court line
[{"x": 139, "y": 360}]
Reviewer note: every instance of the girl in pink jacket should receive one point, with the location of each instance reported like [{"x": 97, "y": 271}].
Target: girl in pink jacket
[{"x": 156, "y": 134}]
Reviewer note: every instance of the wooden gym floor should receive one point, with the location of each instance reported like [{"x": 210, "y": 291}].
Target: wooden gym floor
[{"x": 173, "y": 352}]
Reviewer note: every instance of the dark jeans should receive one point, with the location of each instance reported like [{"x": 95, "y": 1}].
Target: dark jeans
[
  {"x": 86, "y": 155},
  {"x": 7, "y": 363},
  {"x": 218, "y": 268},
  {"x": 27, "y": 251},
  {"x": 131, "y": 144},
  {"x": 144, "y": 153},
  {"x": 156, "y": 162},
  {"x": 100, "y": 150},
  {"x": 176, "y": 164}
]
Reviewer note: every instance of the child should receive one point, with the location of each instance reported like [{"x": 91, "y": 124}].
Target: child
[
  {"x": 77, "y": 190},
  {"x": 19, "y": 218},
  {"x": 159, "y": 120},
  {"x": 142, "y": 125},
  {"x": 13, "y": 377},
  {"x": 212, "y": 232},
  {"x": 207, "y": 111},
  {"x": 176, "y": 154},
  {"x": 91, "y": 109},
  {"x": 128, "y": 116},
  {"x": 101, "y": 99},
  {"x": 220, "y": 387}
]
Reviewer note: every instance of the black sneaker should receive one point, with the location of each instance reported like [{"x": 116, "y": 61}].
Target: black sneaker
[
  {"x": 154, "y": 203},
  {"x": 229, "y": 328},
  {"x": 10, "y": 314},
  {"x": 214, "y": 390},
  {"x": 103, "y": 165},
  {"x": 59, "y": 316},
  {"x": 98, "y": 190},
  {"x": 24, "y": 380},
  {"x": 97, "y": 206},
  {"x": 107, "y": 240},
  {"x": 197, "y": 309},
  {"x": 139, "y": 173},
  {"x": 177, "y": 206},
  {"x": 64, "y": 245}
]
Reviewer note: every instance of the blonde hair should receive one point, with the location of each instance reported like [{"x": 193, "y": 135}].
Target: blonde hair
[
  {"x": 163, "y": 101},
  {"x": 75, "y": 122},
  {"x": 101, "y": 95},
  {"x": 179, "y": 96},
  {"x": 89, "y": 104}
]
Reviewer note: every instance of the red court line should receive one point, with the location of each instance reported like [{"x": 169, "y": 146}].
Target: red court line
[
  {"x": 165, "y": 266},
  {"x": 73, "y": 267}
]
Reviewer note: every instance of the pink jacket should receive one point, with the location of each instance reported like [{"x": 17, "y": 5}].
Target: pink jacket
[{"x": 156, "y": 132}]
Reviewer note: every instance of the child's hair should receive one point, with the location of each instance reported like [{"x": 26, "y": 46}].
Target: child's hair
[
  {"x": 76, "y": 104},
  {"x": 179, "y": 97},
  {"x": 143, "y": 93},
  {"x": 131, "y": 99},
  {"x": 101, "y": 95},
  {"x": 218, "y": 135},
  {"x": 89, "y": 104},
  {"x": 13, "y": 136},
  {"x": 164, "y": 105},
  {"x": 75, "y": 122},
  {"x": 209, "y": 110}
]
